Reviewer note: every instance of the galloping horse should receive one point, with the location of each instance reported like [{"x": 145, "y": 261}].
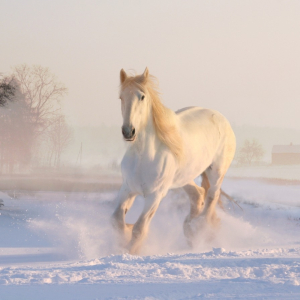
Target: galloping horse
[{"x": 168, "y": 150}]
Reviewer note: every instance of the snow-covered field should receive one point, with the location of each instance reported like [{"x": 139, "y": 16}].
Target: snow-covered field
[
  {"x": 287, "y": 172},
  {"x": 57, "y": 245}
]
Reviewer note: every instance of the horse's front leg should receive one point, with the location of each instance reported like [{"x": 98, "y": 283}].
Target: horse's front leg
[
  {"x": 140, "y": 228},
  {"x": 125, "y": 201}
]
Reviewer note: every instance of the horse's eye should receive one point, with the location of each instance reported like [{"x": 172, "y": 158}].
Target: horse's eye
[{"x": 143, "y": 97}]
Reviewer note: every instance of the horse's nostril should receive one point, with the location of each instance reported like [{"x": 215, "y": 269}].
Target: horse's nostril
[{"x": 128, "y": 132}]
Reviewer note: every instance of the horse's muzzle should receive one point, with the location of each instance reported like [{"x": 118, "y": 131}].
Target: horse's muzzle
[{"x": 128, "y": 133}]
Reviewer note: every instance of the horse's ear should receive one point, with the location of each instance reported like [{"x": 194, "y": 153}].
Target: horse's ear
[
  {"x": 143, "y": 78},
  {"x": 123, "y": 76},
  {"x": 146, "y": 73}
]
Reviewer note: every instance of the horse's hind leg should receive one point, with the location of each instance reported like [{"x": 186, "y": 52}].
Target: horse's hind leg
[
  {"x": 205, "y": 183},
  {"x": 215, "y": 177},
  {"x": 197, "y": 196}
]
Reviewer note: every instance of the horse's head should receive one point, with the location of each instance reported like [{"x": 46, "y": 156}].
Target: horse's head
[{"x": 135, "y": 104}]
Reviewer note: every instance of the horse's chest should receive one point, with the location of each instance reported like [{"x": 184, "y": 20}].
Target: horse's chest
[{"x": 142, "y": 175}]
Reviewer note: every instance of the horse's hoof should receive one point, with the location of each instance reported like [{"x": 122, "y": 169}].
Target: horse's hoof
[
  {"x": 190, "y": 243},
  {"x": 133, "y": 250},
  {"x": 215, "y": 224}
]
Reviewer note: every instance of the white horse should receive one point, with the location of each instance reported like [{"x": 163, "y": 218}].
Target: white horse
[{"x": 168, "y": 150}]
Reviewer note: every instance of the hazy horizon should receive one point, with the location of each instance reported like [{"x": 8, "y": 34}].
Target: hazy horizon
[{"x": 240, "y": 58}]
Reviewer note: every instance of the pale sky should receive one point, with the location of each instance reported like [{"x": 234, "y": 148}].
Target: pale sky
[{"x": 239, "y": 57}]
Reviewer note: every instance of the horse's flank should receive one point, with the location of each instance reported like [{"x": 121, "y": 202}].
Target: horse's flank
[{"x": 164, "y": 119}]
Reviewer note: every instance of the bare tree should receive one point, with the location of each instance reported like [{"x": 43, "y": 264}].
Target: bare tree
[
  {"x": 42, "y": 91},
  {"x": 59, "y": 137},
  {"x": 250, "y": 152},
  {"x": 7, "y": 90}
]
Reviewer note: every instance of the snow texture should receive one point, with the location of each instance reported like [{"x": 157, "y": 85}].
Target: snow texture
[{"x": 57, "y": 245}]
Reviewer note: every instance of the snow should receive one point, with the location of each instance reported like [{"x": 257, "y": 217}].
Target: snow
[
  {"x": 274, "y": 266},
  {"x": 60, "y": 245}
]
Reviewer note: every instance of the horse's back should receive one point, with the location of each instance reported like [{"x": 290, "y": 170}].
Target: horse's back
[
  {"x": 199, "y": 115},
  {"x": 198, "y": 118}
]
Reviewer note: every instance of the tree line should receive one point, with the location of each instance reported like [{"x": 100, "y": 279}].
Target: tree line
[
  {"x": 33, "y": 130},
  {"x": 250, "y": 153}
]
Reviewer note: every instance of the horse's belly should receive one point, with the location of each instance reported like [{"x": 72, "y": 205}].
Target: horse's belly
[{"x": 189, "y": 172}]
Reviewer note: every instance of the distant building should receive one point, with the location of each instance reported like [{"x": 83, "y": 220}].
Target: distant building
[{"x": 286, "y": 154}]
